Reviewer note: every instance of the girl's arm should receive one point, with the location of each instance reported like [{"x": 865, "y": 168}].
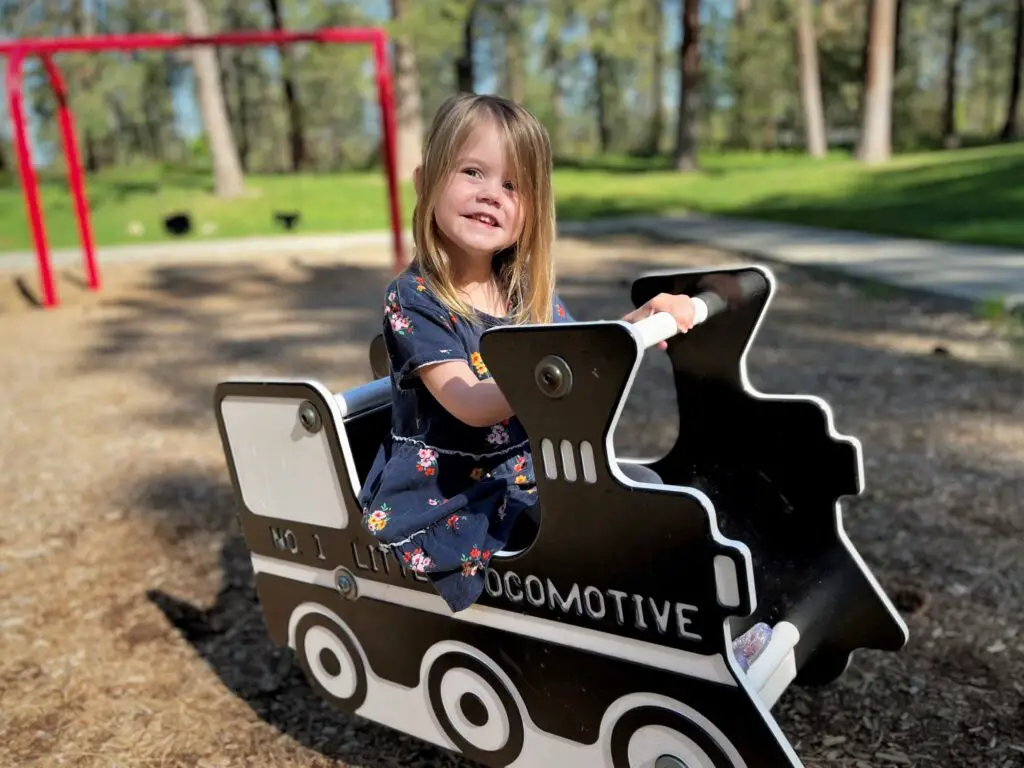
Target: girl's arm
[
  {"x": 422, "y": 343},
  {"x": 467, "y": 398},
  {"x": 481, "y": 403}
]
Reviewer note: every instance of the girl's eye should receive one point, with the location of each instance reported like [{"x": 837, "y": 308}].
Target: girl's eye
[
  {"x": 510, "y": 186},
  {"x": 472, "y": 171}
]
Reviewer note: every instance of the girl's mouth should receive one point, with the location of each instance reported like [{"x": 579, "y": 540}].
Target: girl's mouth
[{"x": 483, "y": 218}]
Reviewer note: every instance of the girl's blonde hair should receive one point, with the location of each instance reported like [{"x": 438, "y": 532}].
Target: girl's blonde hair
[{"x": 525, "y": 270}]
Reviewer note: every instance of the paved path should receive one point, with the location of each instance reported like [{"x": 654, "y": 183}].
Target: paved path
[{"x": 968, "y": 274}]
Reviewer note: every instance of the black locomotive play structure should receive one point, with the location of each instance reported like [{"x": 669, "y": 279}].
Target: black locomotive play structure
[{"x": 603, "y": 637}]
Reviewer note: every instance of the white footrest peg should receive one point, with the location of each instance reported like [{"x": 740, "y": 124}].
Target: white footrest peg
[{"x": 775, "y": 668}]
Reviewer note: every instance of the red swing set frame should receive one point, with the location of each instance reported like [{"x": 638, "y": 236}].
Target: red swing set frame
[{"x": 18, "y": 50}]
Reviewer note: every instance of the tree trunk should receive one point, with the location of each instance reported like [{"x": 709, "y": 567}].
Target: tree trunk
[
  {"x": 865, "y": 55},
  {"x": 244, "y": 132},
  {"x": 152, "y": 138},
  {"x": 810, "y": 81},
  {"x": 1009, "y": 132},
  {"x": 991, "y": 93},
  {"x": 949, "y": 138},
  {"x": 86, "y": 76},
  {"x": 903, "y": 85},
  {"x": 652, "y": 143},
  {"x": 689, "y": 87},
  {"x": 92, "y": 157},
  {"x": 901, "y": 22},
  {"x": 739, "y": 117},
  {"x": 296, "y": 133},
  {"x": 224, "y": 65},
  {"x": 227, "y": 170},
  {"x": 408, "y": 103},
  {"x": 599, "y": 27},
  {"x": 465, "y": 81},
  {"x": 515, "y": 86},
  {"x": 876, "y": 121},
  {"x": 555, "y": 60},
  {"x": 601, "y": 77},
  {"x": 240, "y": 121}
]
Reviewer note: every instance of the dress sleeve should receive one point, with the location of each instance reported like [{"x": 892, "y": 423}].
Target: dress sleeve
[
  {"x": 559, "y": 311},
  {"x": 418, "y": 329}
]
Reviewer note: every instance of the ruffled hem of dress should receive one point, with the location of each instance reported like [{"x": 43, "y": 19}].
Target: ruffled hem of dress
[
  {"x": 451, "y": 452},
  {"x": 419, "y": 535}
]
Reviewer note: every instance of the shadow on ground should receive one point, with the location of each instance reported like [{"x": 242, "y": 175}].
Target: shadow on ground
[
  {"x": 189, "y": 327},
  {"x": 939, "y": 523}
]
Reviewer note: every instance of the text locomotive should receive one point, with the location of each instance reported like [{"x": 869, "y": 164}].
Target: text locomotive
[{"x": 595, "y": 603}]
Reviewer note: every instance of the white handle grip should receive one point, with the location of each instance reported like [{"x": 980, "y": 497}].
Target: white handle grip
[{"x": 661, "y": 325}]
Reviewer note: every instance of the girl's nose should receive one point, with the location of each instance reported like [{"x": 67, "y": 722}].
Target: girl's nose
[{"x": 491, "y": 192}]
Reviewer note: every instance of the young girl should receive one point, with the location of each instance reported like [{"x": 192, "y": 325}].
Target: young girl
[{"x": 449, "y": 483}]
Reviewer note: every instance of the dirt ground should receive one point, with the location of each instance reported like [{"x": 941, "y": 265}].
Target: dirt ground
[{"x": 129, "y": 630}]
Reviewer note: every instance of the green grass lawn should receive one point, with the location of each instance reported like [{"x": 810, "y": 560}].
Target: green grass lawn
[{"x": 970, "y": 195}]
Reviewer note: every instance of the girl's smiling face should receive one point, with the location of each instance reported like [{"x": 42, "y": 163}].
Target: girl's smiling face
[
  {"x": 483, "y": 189},
  {"x": 479, "y": 211}
]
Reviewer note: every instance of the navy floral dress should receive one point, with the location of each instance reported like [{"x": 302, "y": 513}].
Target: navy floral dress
[{"x": 443, "y": 495}]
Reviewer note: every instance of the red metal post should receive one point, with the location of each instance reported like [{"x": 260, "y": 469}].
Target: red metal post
[
  {"x": 385, "y": 93},
  {"x": 29, "y": 183},
  {"x": 67, "y": 127}
]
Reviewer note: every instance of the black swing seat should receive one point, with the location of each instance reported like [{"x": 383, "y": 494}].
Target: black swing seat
[
  {"x": 287, "y": 219},
  {"x": 610, "y": 625},
  {"x": 178, "y": 223}
]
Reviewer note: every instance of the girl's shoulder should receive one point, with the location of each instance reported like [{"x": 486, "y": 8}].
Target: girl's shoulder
[
  {"x": 410, "y": 289},
  {"x": 409, "y": 292}
]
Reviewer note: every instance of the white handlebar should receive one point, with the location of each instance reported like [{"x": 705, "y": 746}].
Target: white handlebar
[{"x": 661, "y": 325}]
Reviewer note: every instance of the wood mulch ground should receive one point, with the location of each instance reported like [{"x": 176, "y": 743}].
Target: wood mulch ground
[{"x": 129, "y": 631}]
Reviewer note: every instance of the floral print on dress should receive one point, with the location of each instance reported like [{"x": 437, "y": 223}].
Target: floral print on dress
[
  {"x": 377, "y": 520},
  {"x": 421, "y": 284},
  {"x": 499, "y": 433},
  {"x": 417, "y": 560},
  {"x": 477, "y": 361},
  {"x": 428, "y": 462},
  {"x": 393, "y": 311},
  {"x": 400, "y": 324},
  {"x": 474, "y": 561}
]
